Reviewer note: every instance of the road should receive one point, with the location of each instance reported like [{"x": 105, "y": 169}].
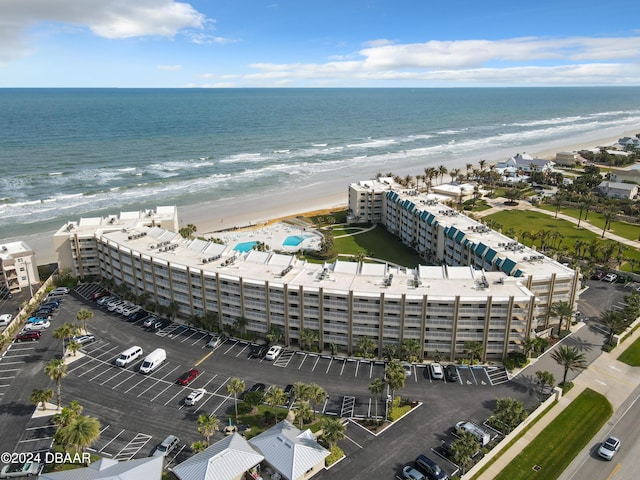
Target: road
[{"x": 624, "y": 465}]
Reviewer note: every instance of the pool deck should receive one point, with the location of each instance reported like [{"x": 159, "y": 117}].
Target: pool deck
[{"x": 274, "y": 236}]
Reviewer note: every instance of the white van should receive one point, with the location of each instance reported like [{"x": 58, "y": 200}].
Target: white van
[
  {"x": 483, "y": 437},
  {"x": 128, "y": 356},
  {"x": 153, "y": 360}
]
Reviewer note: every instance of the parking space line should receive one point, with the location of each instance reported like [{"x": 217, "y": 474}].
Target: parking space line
[
  {"x": 11, "y": 363},
  {"x": 109, "y": 442},
  {"x": 195, "y": 332},
  {"x": 329, "y": 366},
  {"x": 40, "y": 427},
  {"x": 343, "y": 364},
  {"x": 150, "y": 387},
  {"x": 169, "y": 372},
  {"x": 171, "y": 399},
  {"x": 222, "y": 385},
  {"x": 357, "y": 368},
  {"x": 121, "y": 371},
  {"x": 143, "y": 379},
  {"x": 211, "y": 380},
  {"x": 6, "y": 378},
  {"x": 231, "y": 347},
  {"x": 100, "y": 374},
  {"x": 83, "y": 363},
  {"x": 34, "y": 439},
  {"x": 166, "y": 388},
  {"x": 91, "y": 369},
  {"x": 203, "y": 336},
  {"x": 10, "y": 370},
  {"x": 209, "y": 397},
  {"x": 302, "y": 362},
  {"x": 474, "y": 377},
  {"x": 243, "y": 349},
  {"x": 315, "y": 364}
]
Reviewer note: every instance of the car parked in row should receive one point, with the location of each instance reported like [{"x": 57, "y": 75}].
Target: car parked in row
[
  {"x": 610, "y": 277},
  {"x": 84, "y": 339},
  {"x": 21, "y": 470},
  {"x": 187, "y": 377},
  {"x": 166, "y": 447},
  {"x": 437, "y": 373},
  {"x": 452, "y": 373},
  {"x": 28, "y": 336},
  {"x": 273, "y": 353},
  {"x": 37, "y": 325},
  {"x": 195, "y": 396},
  {"x": 139, "y": 315},
  {"x": 431, "y": 469},
  {"x": 216, "y": 340},
  {"x": 258, "y": 350}
]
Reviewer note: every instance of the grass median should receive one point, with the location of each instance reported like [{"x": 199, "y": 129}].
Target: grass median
[
  {"x": 559, "y": 443},
  {"x": 631, "y": 356}
]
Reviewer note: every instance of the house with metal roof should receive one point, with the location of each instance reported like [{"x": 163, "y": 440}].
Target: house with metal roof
[
  {"x": 108, "y": 469},
  {"x": 618, "y": 189},
  {"x": 292, "y": 453},
  {"x": 227, "y": 459},
  {"x": 283, "y": 450}
]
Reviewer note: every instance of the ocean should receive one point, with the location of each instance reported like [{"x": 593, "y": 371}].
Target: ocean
[{"x": 67, "y": 153}]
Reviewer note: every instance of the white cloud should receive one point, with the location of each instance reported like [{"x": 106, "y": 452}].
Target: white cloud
[
  {"x": 112, "y": 19},
  {"x": 169, "y": 67},
  {"x": 526, "y": 60}
]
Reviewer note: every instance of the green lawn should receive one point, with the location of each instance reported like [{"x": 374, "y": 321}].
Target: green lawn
[
  {"x": 380, "y": 244},
  {"x": 622, "y": 229},
  {"x": 631, "y": 356},
  {"x": 531, "y": 221},
  {"x": 558, "y": 444}
]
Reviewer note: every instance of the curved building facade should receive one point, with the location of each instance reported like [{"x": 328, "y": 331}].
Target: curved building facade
[{"x": 487, "y": 290}]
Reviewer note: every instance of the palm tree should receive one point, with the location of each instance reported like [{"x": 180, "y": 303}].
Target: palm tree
[
  {"x": 410, "y": 349},
  {"x": 275, "y": 335},
  {"x": 365, "y": 345},
  {"x": 390, "y": 351},
  {"x": 527, "y": 345},
  {"x": 41, "y": 396},
  {"x": 442, "y": 170},
  {"x": 56, "y": 369},
  {"x": 307, "y": 337},
  {"x": 67, "y": 414},
  {"x": 394, "y": 375},
  {"x": 73, "y": 347},
  {"x": 82, "y": 316},
  {"x": 300, "y": 391},
  {"x": 81, "y": 432},
  {"x": 333, "y": 430},
  {"x": 545, "y": 378},
  {"x": 275, "y": 396},
  {"x": 455, "y": 173},
  {"x": 614, "y": 321},
  {"x": 63, "y": 333},
  {"x": 475, "y": 350},
  {"x": 561, "y": 310},
  {"x": 609, "y": 216},
  {"x": 316, "y": 394},
  {"x": 464, "y": 448},
  {"x": 235, "y": 387},
  {"x": 558, "y": 198},
  {"x": 569, "y": 358},
  {"x": 197, "y": 447},
  {"x": 376, "y": 387},
  {"x": 208, "y": 425},
  {"x": 302, "y": 411}
]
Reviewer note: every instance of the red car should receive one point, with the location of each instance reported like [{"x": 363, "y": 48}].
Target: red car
[
  {"x": 99, "y": 295},
  {"x": 31, "y": 335},
  {"x": 187, "y": 377}
]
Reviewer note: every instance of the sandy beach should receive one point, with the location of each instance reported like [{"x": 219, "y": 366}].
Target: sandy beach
[{"x": 252, "y": 209}]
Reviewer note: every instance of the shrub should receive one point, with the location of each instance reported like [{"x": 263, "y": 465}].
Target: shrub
[
  {"x": 515, "y": 360},
  {"x": 335, "y": 455},
  {"x": 244, "y": 408}
]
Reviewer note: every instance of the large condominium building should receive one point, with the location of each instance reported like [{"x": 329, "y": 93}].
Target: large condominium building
[
  {"x": 486, "y": 287},
  {"x": 18, "y": 267}
]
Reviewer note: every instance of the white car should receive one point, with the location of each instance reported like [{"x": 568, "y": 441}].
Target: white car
[
  {"x": 215, "y": 341},
  {"x": 609, "y": 448},
  {"x": 84, "y": 339},
  {"x": 273, "y": 352},
  {"x": 5, "y": 319},
  {"x": 610, "y": 277},
  {"x": 195, "y": 396},
  {"x": 39, "y": 325},
  {"x": 59, "y": 291},
  {"x": 19, "y": 470},
  {"x": 437, "y": 372}
]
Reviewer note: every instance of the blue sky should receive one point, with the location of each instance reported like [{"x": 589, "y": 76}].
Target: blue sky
[{"x": 310, "y": 43}]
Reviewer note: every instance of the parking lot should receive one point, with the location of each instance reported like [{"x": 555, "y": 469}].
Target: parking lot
[{"x": 137, "y": 411}]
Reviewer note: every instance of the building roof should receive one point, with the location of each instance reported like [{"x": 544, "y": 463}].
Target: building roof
[
  {"x": 107, "y": 469},
  {"x": 226, "y": 459},
  {"x": 289, "y": 450},
  {"x": 14, "y": 249},
  {"x": 618, "y": 185}
]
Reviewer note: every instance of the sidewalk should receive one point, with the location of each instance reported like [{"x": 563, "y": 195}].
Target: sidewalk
[{"x": 615, "y": 380}]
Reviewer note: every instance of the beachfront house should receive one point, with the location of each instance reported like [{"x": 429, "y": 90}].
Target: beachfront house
[
  {"x": 523, "y": 162},
  {"x": 618, "y": 190},
  {"x": 628, "y": 142},
  {"x": 569, "y": 159},
  {"x": 628, "y": 175}
]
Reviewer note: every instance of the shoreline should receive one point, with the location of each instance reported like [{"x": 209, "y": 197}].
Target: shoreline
[{"x": 214, "y": 216}]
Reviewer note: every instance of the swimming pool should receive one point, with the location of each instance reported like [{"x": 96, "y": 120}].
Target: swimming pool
[
  {"x": 245, "y": 246},
  {"x": 292, "y": 241}
]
